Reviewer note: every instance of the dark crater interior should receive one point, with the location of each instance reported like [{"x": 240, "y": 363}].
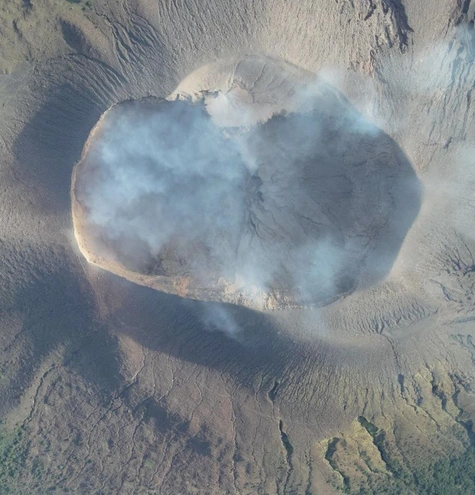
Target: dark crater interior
[{"x": 306, "y": 207}]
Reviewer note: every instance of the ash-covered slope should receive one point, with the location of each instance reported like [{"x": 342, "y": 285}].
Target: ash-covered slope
[{"x": 112, "y": 387}]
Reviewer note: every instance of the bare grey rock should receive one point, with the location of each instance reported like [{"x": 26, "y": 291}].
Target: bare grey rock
[{"x": 115, "y": 387}]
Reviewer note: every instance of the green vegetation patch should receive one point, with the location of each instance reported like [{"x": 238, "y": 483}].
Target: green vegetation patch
[
  {"x": 447, "y": 476},
  {"x": 13, "y": 453}
]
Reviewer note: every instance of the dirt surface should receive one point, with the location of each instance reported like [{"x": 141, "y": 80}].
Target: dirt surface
[{"x": 111, "y": 387}]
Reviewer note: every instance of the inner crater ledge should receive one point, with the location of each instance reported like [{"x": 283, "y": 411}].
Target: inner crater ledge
[{"x": 267, "y": 190}]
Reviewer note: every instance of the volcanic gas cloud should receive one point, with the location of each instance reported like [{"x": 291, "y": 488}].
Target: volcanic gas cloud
[{"x": 268, "y": 194}]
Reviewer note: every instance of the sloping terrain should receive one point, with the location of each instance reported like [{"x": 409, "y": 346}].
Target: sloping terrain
[{"x": 112, "y": 387}]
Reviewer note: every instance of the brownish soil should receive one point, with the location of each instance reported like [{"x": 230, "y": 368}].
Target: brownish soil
[{"x": 112, "y": 387}]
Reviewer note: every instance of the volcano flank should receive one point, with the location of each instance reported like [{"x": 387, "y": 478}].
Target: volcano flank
[{"x": 237, "y": 249}]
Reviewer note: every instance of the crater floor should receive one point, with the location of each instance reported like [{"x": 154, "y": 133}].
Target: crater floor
[{"x": 261, "y": 197}]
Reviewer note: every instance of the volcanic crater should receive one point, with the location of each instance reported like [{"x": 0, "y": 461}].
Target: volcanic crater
[
  {"x": 266, "y": 154},
  {"x": 219, "y": 195}
]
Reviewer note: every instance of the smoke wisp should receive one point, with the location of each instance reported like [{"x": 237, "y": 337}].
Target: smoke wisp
[{"x": 291, "y": 206}]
